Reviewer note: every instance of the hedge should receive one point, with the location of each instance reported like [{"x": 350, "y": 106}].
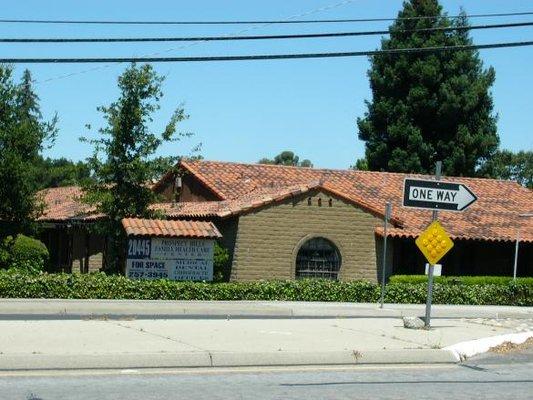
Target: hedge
[
  {"x": 20, "y": 284},
  {"x": 512, "y": 293},
  {"x": 14, "y": 283},
  {"x": 462, "y": 280}
]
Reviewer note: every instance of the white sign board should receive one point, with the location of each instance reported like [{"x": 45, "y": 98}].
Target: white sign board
[
  {"x": 437, "y": 195},
  {"x": 437, "y": 269},
  {"x": 170, "y": 258}
]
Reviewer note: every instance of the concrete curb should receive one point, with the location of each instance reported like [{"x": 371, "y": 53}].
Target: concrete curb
[
  {"x": 464, "y": 350},
  {"x": 220, "y": 359},
  {"x": 17, "y": 309},
  {"x": 417, "y": 356}
]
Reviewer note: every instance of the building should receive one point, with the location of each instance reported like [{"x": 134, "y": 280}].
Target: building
[{"x": 284, "y": 222}]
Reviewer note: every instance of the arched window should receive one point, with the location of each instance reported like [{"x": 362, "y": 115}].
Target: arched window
[{"x": 318, "y": 258}]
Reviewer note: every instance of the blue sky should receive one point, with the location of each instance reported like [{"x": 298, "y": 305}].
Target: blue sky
[{"x": 243, "y": 111}]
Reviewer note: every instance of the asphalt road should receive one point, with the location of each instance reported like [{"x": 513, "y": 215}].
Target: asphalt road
[{"x": 487, "y": 377}]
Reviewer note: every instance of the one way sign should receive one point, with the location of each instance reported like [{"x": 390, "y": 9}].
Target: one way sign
[{"x": 437, "y": 195}]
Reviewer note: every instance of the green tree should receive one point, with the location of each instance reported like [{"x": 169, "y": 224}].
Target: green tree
[
  {"x": 287, "y": 158},
  {"x": 61, "y": 172},
  {"x": 23, "y": 134},
  {"x": 30, "y": 111},
  {"x": 511, "y": 166},
  {"x": 360, "y": 165},
  {"x": 123, "y": 160},
  {"x": 428, "y": 106}
]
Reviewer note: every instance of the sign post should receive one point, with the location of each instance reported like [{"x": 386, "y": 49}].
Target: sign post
[
  {"x": 517, "y": 243},
  {"x": 427, "y": 323},
  {"x": 515, "y": 263},
  {"x": 434, "y": 243},
  {"x": 435, "y": 195},
  {"x": 388, "y": 210}
]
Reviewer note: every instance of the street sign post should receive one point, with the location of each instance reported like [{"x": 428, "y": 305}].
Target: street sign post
[
  {"x": 437, "y": 195},
  {"x": 388, "y": 211}
]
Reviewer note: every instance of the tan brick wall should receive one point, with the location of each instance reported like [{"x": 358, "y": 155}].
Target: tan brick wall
[
  {"x": 95, "y": 262},
  {"x": 268, "y": 239},
  {"x": 85, "y": 244}
]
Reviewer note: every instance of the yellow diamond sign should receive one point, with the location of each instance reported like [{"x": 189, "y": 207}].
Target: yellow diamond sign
[{"x": 434, "y": 242}]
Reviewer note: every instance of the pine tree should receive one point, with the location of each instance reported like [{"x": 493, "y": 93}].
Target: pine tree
[
  {"x": 23, "y": 135},
  {"x": 30, "y": 114},
  {"x": 428, "y": 106}
]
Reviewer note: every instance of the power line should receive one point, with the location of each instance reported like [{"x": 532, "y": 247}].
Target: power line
[
  {"x": 258, "y": 37},
  {"x": 327, "y": 7},
  {"x": 261, "y": 56},
  {"x": 250, "y": 22}
]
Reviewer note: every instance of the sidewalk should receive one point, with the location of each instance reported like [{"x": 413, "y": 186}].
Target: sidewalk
[
  {"x": 212, "y": 341},
  {"x": 142, "y": 309}
]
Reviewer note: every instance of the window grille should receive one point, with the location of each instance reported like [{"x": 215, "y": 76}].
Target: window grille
[{"x": 318, "y": 258}]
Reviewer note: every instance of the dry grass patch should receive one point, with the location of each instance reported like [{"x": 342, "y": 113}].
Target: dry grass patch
[{"x": 507, "y": 347}]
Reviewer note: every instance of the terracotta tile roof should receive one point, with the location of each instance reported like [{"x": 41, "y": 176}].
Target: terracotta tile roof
[
  {"x": 170, "y": 228},
  {"x": 191, "y": 209},
  {"x": 494, "y": 216},
  {"x": 63, "y": 203},
  {"x": 242, "y": 187},
  {"x": 225, "y": 208},
  {"x": 257, "y": 198}
]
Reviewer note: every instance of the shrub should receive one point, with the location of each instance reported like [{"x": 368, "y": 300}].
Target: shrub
[
  {"x": 460, "y": 280},
  {"x": 5, "y": 251},
  {"x": 28, "y": 254},
  {"x": 475, "y": 290},
  {"x": 98, "y": 285},
  {"x": 221, "y": 264},
  {"x": 512, "y": 293},
  {"x": 20, "y": 283}
]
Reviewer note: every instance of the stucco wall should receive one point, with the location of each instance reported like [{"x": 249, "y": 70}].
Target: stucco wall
[{"x": 268, "y": 239}]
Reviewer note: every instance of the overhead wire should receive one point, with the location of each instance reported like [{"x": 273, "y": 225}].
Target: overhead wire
[
  {"x": 264, "y": 56},
  {"x": 327, "y": 7},
  {"x": 253, "y": 22},
  {"x": 261, "y": 37},
  {"x": 258, "y": 24}
]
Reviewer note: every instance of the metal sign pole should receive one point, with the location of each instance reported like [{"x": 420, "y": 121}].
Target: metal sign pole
[
  {"x": 427, "y": 320},
  {"x": 385, "y": 223},
  {"x": 516, "y": 252}
]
